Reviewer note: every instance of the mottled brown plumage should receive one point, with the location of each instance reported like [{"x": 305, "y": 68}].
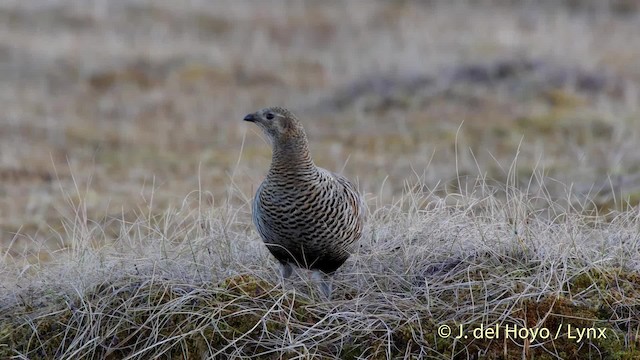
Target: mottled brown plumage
[{"x": 306, "y": 215}]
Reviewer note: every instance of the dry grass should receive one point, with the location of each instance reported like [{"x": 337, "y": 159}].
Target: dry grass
[
  {"x": 141, "y": 97},
  {"x": 125, "y": 175},
  {"x": 198, "y": 283}
]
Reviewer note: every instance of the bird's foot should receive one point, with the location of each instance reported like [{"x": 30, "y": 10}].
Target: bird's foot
[{"x": 324, "y": 283}]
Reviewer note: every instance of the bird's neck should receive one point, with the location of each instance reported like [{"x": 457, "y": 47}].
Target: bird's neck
[{"x": 292, "y": 158}]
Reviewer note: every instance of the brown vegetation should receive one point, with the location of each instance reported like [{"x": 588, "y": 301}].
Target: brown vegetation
[{"x": 496, "y": 144}]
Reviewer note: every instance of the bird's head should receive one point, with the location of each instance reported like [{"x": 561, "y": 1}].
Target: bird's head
[{"x": 278, "y": 124}]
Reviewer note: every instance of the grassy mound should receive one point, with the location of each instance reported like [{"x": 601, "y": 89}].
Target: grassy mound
[{"x": 486, "y": 274}]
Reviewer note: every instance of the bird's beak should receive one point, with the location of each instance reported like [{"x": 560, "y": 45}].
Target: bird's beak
[{"x": 250, "y": 117}]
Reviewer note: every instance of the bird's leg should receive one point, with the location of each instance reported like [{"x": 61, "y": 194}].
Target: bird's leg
[
  {"x": 324, "y": 283},
  {"x": 285, "y": 270}
]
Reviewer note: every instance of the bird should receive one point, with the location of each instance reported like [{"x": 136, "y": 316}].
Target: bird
[{"x": 307, "y": 216}]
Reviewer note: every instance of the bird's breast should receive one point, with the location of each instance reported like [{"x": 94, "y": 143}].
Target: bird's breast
[{"x": 312, "y": 209}]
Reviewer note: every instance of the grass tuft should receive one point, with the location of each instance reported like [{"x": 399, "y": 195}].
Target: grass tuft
[{"x": 198, "y": 283}]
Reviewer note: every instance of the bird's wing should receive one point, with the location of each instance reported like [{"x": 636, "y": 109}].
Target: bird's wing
[{"x": 353, "y": 195}]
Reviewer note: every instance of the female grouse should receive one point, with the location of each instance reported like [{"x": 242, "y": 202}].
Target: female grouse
[{"x": 307, "y": 216}]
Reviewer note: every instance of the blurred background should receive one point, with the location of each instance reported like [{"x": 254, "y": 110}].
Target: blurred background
[{"x": 123, "y": 108}]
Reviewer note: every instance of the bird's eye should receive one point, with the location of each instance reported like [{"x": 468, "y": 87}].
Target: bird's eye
[{"x": 270, "y": 116}]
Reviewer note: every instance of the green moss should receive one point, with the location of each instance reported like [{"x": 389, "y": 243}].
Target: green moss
[
  {"x": 130, "y": 315},
  {"x": 247, "y": 285}
]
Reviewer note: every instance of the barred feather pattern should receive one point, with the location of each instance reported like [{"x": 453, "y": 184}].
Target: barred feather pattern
[{"x": 306, "y": 215}]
